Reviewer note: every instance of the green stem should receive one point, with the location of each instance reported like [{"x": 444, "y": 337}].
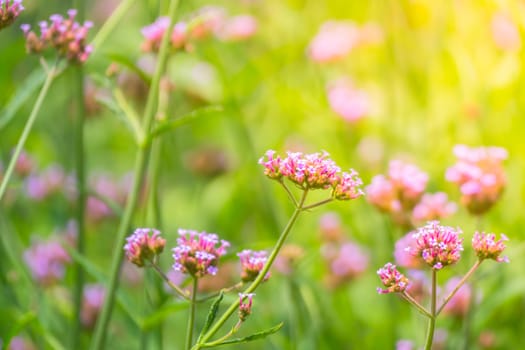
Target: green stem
[
  {"x": 416, "y": 304},
  {"x": 52, "y": 73},
  {"x": 140, "y": 167},
  {"x": 111, "y": 23},
  {"x": 167, "y": 280},
  {"x": 460, "y": 283},
  {"x": 290, "y": 194},
  {"x": 252, "y": 287},
  {"x": 191, "y": 319},
  {"x": 433, "y": 315},
  {"x": 311, "y": 206}
]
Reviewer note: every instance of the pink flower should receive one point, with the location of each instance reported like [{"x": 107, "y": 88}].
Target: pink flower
[
  {"x": 382, "y": 194},
  {"x": 480, "y": 175},
  {"x": 486, "y": 246},
  {"x": 331, "y": 227},
  {"x": 197, "y": 254},
  {"x": 437, "y": 245},
  {"x": 505, "y": 33},
  {"x": 394, "y": 280},
  {"x": 347, "y": 101},
  {"x": 47, "y": 261},
  {"x": 9, "y": 11},
  {"x": 63, "y": 34},
  {"x": 141, "y": 247},
  {"x": 238, "y": 28},
  {"x": 348, "y": 262},
  {"x": 433, "y": 207},
  {"x": 459, "y": 304},
  {"x": 245, "y": 305},
  {"x": 404, "y": 345},
  {"x": 252, "y": 263},
  {"x": 333, "y": 41},
  {"x": 402, "y": 252},
  {"x": 93, "y": 300},
  {"x": 48, "y": 182}
]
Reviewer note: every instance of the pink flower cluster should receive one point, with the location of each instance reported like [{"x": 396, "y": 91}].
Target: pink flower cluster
[
  {"x": 346, "y": 262},
  {"x": 92, "y": 302},
  {"x": 486, "y": 246},
  {"x": 47, "y": 261},
  {"x": 197, "y": 253},
  {"x": 209, "y": 20},
  {"x": 113, "y": 190},
  {"x": 392, "y": 279},
  {"x": 252, "y": 262},
  {"x": 347, "y": 101},
  {"x": 437, "y": 245},
  {"x": 141, "y": 247},
  {"x": 39, "y": 186},
  {"x": 9, "y": 11},
  {"x": 480, "y": 175},
  {"x": 245, "y": 305},
  {"x": 313, "y": 171},
  {"x": 65, "y": 35},
  {"x": 433, "y": 207}
]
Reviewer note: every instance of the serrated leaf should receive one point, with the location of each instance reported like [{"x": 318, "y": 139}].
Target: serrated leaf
[
  {"x": 212, "y": 313},
  {"x": 254, "y": 336},
  {"x": 185, "y": 119}
]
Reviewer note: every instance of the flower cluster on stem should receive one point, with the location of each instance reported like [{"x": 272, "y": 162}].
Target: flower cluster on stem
[
  {"x": 252, "y": 262},
  {"x": 142, "y": 248},
  {"x": 9, "y": 11},
  {"x": 486, "y": 246}
]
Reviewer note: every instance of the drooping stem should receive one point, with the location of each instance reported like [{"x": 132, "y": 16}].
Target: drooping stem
[
  {"x": 253, "y": 286},
  {"x": 191, "y": 318},
  {"x": 52, "y": 73},
  {"x": 140, "y": 167},
  {"x": 432, "y": 319}
]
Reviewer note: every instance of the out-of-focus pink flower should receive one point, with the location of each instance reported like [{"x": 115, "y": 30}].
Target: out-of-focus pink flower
[
  {"x": 63, "y": 34},
  {"x": 346, "y": 261},
  {"x": 505, "y": 32},
  {"x": 419, "y": 287},
  {"x": 238, "y": 28},
  {"x": 196, "y": 253},
  {"x": 141, "y": 247},
  {"x": 19, "y": 343},
  {"x": 479, "y": 173},
  {"x": 347, "y": 101},
  {"x": 9, "y": 11},
  {"x": 24, "y": 164},
  {"x": 206, "y": 21},
  {"x": 40, "y": 186},
  {"x": 433, "y": 207},
  {"x": 402, "y": 252},
  {"x": 92, "y": 302},
  {"x": 371, "y": 34},
  {"x": 437, "y": 245},
  {"x": 331, "y": 227},
  {"x": 252, "y": 262},
  {"x": 46, "y": 261},
  {"x": 458, "y": 305},
  {"x": 333, "y": 41},
  {"x": 404, "y": 345},
  {"x": 486, "y": 246},
  {"x": 110, "y": 189},
  {"x": 394, "y": 280},
  {"x": 289, "y": 256}
]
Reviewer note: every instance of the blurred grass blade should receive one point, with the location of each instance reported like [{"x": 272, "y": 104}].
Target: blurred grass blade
[
  {"x": 126, "y": 62},
  {"x": 214, "y": 308},
  {"x": 161, "y": 314},
  {"x": 185, "y": 119},
  {"x": 20, "y": 324},
  {"x": 29, "y": 86},
  {"x": 254, "y": 336}
]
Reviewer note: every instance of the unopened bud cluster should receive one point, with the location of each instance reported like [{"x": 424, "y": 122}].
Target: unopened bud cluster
[{"x": 142, "y": 248}]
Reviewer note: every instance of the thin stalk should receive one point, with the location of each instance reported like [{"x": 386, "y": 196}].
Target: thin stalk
[
  {"x": 311, "y": 206},
  {"x": 80, "y": 175},
  {"x": 52, "y": 73},
  {"x": 191, "y": 319},
  {"x": 225, "y": 337},
  {"x": 290, "y": 194},
  {"x": 416, "y": 304},
  {"x": 252, "y": 287},
  {"x": 432, "y": 319},
  {"x": 460, "y": 283},
  {"x": 111, "y": 23},
  {"x": 140, "y": 167},
  {"x": 167, "y": 280}
]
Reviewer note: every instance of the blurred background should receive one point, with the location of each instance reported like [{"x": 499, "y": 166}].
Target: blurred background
[{"x": 366, "y": 81}]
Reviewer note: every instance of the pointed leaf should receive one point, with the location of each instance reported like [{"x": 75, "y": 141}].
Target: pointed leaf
[
  {"x": 254, "y": 336},
  {"x": 214, "y": 308}
]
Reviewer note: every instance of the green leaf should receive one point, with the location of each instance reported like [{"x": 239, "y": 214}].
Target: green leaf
[
  {"x": 31, "y": 84},
  {"x": 126, "y": 62},
  {"x": 254, "y": 336},
  {"x": 185, "y": 119},
  {"x": 214, "y": 308}
]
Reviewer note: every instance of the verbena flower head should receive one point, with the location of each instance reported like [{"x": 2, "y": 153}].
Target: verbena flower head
[
  {"x": 46, "y": 261},
  {"x": 486, "y": 246},
  {"x": 154, "y": 32},
  {"x": 197, "y": 253},
  {"x": 393, "y": 280},
  {"x": 460, "y": 302},
  {"x": 480, "y": 175},
  {"x": 142, "y": 247},
  {"x": 347, "y": 101},
  {"x": 333, "y": 41},
  {"x": 92, "y": 302},
  {"x": 437, "y": 245},
  {"x": 312, "y": 171},
  {"x": 9, "y": 11},
  {"x": 433, "y": 207},
  {"x": 245, "y": 305},
  {"x": 252, "y": 263},
  {"x": 65, "y": 35}
]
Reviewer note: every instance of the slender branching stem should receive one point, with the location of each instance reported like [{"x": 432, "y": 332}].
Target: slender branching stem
[
  {"x": 290, "y": 194},
  {"x": 191, "y": 319},
  {"x": 176, "y": 288},
  {"x": 416, "y": 304},
  {"x": 432, "y": 319},
  {"x": 311, "y": 206},
  {"x": 111, "y": 23}
]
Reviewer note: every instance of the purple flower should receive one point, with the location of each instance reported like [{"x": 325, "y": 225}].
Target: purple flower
[
  {"x": 141, "y": 247},
  {"x": 394, "y": 280},
  {"x": 433, "y": 207},
  {"x": 93, "y": 300},
  {"x": 252, "y": 263},
  {"x": 245, "y": 305},
  {"x": 46, "y": 261},
  {"x": 9, "y": 11},
  {"x": 437, "y": 245},
  {"x": 197, "y": 253},
  {"x": 486, "y": 246},
  {"x": 347, "y": 101}
]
